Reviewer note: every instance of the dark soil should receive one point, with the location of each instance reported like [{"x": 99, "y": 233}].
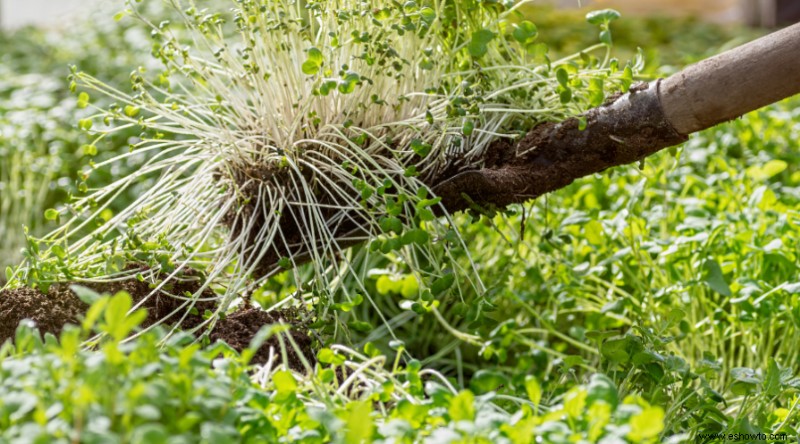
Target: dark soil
[
  {"x": 49, "y": 313},
  {"x": 59, "y": 307},
  {"x": 239, "y": 328}
]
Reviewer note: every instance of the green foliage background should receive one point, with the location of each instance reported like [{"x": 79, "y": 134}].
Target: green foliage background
[
  {"x": 641, "y": 305},
  {"x": 41, "y": 149}
]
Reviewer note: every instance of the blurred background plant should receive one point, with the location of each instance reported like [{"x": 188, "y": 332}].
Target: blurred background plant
[
  {"x": 675, "y": 283},
  {"x": 42, "y": 150}
]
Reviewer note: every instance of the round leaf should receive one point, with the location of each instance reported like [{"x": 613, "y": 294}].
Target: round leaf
[
  {"x": 602, "y": 16},
  {"x": 480, "y": 39},
  {"x": 525, "y": 32}
]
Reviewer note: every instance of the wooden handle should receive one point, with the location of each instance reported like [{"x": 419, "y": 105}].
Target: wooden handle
[{"x": 733, "y": 83}]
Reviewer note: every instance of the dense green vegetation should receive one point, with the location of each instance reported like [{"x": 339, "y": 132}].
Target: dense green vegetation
[
  {"x": 41, "y": 151},
  {"x": 650, "y": 303}
]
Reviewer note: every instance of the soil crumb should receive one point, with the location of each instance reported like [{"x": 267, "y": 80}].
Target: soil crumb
[{"x": 60, "y": 306}]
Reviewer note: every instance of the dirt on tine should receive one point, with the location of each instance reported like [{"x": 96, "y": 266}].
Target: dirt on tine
[
  {"x": 624, "y": 130},
  {"x": 59, "y": 307}
]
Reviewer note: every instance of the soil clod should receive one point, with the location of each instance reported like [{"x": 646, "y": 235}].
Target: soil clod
[
  {"x": 51, "y": 312},
  {"x": 239, "y": 328}
]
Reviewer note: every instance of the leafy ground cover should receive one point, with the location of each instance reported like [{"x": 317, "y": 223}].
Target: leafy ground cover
[{"x": 647, "y": 304}]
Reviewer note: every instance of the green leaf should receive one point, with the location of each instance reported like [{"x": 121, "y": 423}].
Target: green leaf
[
  {"x": 565, "y": 96},
  {"x": 391, "y": 225},
  {"x": 533, "y": 389},
  {"x": 427, "y": 14},
  {"x": 478, "y": 46},
  {"x": 416, "y": 236},
  {"x": 429, "y": 117},
  {"x": 602, "y": 388},
  {"x": 285, "y": 384},
  {"x": 484, "y": 381},
  {"x": 85, "y": 124},
  {"x": 462, "y": 407},
  {"x": 115, "y": 314},
  {"x": 310, "y": 68},
  {"x": 596, "y": 91},
  {"x": 467, "y": 128},
  {"x": 616, "y": 350},
  {"x": 358, "y": 422},
  {"x": 593, "y": 231},
  {"x": 538, "y": 51},
  {"x": 285, "y": 262},
  {"x": 134, "y": 320},
  {"x": 421, "y": 148},
  {"x": 313, "y": 62},
  {"x": 714, "y": 278},
  {"x": 675, "y": 316},
  {"x": 563, "y": 77},
  {"x": 525, "y": 32},
  {"x": 131, "y": 111},
  {"x": 386, "y": 285},
  {"x": 605, "y": 36},
  {"x": 647, "y": 424},
  {"x": 410, "y": 287},
  {"x": 627, "y": 78},
  {"x": 89, "y": 150},
  {"x": 441, "y": 284},
  {"x": 772, "y": 381},
  {"x": 766, "y": 171},
  {"x": 747, "y": 380},
  {"x": 85, "y": 294},
  {"x": 83, "y": 100},
  {"x": 603, "y": 16},
  {"x": 410, "y": 7},
  {"x": 360, "y": 326},
  {"x": 327, "y": 375},
  {"x": 582, "y": 123},
  {"x": 348, "y": 84},
  {"x": 328, "y": 356},
  {"x": 326, "y": 87},
  {"x": 390, "y": 245},
  {"x": 51, "y": 214},
  {"x": 315, "y": 55},
  {"x": 371, "y": 350},
  {"x": 382, "y": 14},
  {"x": 94, "y": 312},
  {"x": 575, "y": 402},
  {"x": 573, "y": 361}
]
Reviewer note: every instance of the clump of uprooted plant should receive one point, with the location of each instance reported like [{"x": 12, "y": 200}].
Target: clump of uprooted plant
[{"x": 282, "y": 132}]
